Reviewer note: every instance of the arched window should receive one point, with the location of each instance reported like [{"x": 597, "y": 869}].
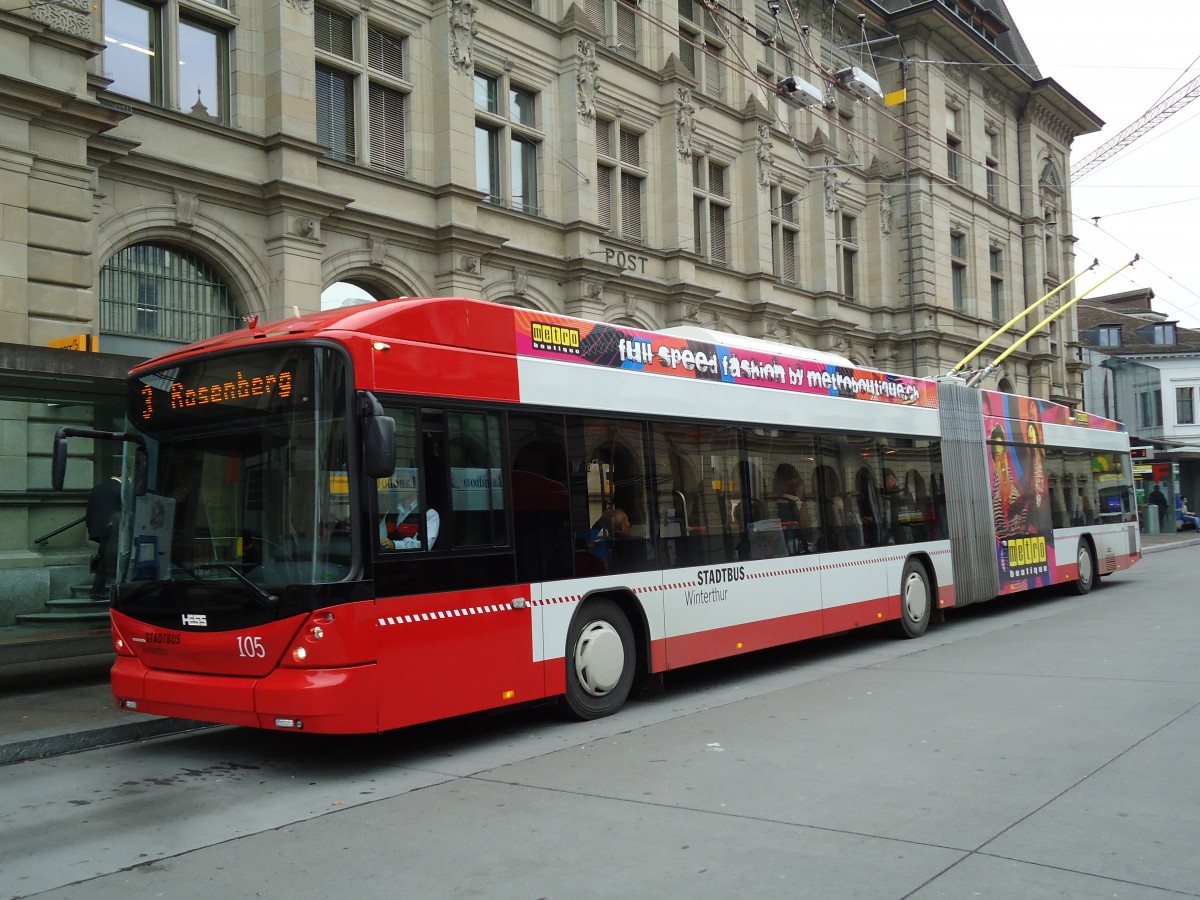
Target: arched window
[
  {"x": 161, "y": 293},
  {"x": 347, "y": 293}
]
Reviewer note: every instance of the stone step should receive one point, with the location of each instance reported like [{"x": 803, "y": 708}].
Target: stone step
[
  {"x": 81, "y": 604},
  {"x": 98, "y": 616}
]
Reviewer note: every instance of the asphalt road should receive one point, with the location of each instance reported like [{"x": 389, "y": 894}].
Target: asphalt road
[{"x": 1044, "y": 747}]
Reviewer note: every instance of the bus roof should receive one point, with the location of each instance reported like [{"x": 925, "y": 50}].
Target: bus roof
[{"x": 512, "y": 334}]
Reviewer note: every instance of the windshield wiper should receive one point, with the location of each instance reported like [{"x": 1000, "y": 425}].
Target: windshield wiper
[{"x": 264, "y": 598}]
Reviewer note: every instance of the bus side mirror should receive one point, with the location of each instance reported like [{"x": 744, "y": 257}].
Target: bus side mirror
[
  {"x": 379, "y": 444},
  {"x": 58, "y": 463}
]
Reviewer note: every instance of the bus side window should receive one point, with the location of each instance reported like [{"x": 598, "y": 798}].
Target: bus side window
[
  {"x": 472, "y": 461},
  {"x": 541, "y": 504}
]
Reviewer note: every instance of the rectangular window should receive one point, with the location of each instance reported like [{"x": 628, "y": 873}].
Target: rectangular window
[
  {"x": 333, "y": 32},
  {"x": 785, "y": 234},
  {"x": 204, "y": 71},
  {"x": 487, "y": 93},
  {"x": 335, "y": 113},
  {"x": 388, "y": 111},
  {"x": 617, "y": 21},
  {"x": 996, "y": 266},
  {"x": 188, "y": 70},
  {"x": 992, "y": 166},
  {"x": 954, "y": 144},
  {"x": 362, "y": 98},
  {"x": 1185, "y": 406},
  {"x": 848, "y": 258},
  {"x": 133, "y": 38},
  {"x": 524, "y": 174},
  {"x": 507, "y": 143},
  {"x": 476, "y": 489},
  {"x": 385, "y": 53},
  {"x": 710, "y": 209},
  {"x": 447, "y": 490},
  {"x": 520, "y": 107},
  {"x": 698, "y": 493},
  {"x": 487, "y": 162},
  {"x": 1150, "y": 409},
  {"x": 1163, "y": 334},
  {"x": 701, "y": 48},
  {"x": 611, "y": 505},
  {"x": 1108, "y": 336},
  {"x": 958, "y": 269},
  {"x": 620, "y": 180}
]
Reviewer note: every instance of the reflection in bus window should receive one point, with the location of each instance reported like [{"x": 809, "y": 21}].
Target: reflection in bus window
[
  {"x": 541, "y": 503},
  {"x": 610, "y": 504},
  {"x": 447, "y": 490},
  {"x": 695, "y": 467}
]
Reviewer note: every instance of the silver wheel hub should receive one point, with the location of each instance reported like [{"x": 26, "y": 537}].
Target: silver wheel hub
[
  {"x": 1085, "y": 565},
  {"x": 916, "y": 597},
  {"x": 599, "y": 658}
]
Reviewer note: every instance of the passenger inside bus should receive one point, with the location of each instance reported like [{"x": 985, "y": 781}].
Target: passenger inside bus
[{"x": 399, "y": 529}]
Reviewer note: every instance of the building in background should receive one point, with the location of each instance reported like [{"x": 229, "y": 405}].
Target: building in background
[
  {"x": 171, "y": 166},
  {"x": 1145, "y": 371}
]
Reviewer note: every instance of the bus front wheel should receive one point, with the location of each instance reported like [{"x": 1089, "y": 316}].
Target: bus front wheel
[
  {"x": 1086, "y": 560},
  {"x": 600, "y": 660},
  {"x": 916, "y": 600}
]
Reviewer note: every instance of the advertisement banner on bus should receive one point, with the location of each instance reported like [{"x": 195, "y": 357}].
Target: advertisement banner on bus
[
  {"x": 612, "y": 346},
  {"x": 1020, "y": 490}
]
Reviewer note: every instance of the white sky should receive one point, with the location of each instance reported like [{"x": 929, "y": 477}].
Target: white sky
[{"x": 1119, "y": 59}]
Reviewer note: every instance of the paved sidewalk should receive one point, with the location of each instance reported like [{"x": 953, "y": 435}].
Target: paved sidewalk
[{"x": 64, "y": 706}]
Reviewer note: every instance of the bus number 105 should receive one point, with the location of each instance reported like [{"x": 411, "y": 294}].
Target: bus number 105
[{"x": 251, "y": 646}]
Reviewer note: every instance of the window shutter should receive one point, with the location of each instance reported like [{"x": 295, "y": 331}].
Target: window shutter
[
  {"x": 335, "y": 113},
  {"x": 603, "y": 141},
  {"x": 712, "y": 71},
  {"x": 333, "y": 32},
  {"x": 594, "y": 10},
  {"x": 387, "y": 129},
  {"x": 789, "y": 256},
  {"x": 716, "y": 180},
  {"x": 698, "y": 212},
  {"x": 631, "y": 148},
  {"x": 717, "y": 218},
  {"x": 631, "y": 207},
  {"x": 687, "y": 51},
  {"x": 385, "y": 53},
  {"x": 626, "y": 30},
  {"x": 604, "y": 196}
]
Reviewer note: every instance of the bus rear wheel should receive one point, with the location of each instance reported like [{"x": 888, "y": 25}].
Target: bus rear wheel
[
  {"x": 1086, "y": 559},
  {"x": 916, "y": 600},
  {"x": 600, "y": 660}
]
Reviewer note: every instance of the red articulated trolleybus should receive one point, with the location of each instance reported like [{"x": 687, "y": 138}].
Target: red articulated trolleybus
[{"x": 380, "y": 515}]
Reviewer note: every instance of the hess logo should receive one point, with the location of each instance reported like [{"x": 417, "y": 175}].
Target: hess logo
[{"x": 196, "y": 620}]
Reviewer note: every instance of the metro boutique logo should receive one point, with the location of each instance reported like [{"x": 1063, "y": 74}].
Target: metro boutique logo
[
  {"x": 1025, "y": 557},
  {"x": 555, "y": 338}
]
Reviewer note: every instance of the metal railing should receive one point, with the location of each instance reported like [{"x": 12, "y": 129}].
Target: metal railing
[{"x": 42, "y": 541}]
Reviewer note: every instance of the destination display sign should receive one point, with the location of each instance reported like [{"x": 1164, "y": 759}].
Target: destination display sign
[{"x": 217, "y": 388}]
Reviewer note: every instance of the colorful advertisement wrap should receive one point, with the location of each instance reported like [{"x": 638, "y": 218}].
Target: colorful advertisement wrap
[
  {"x": 612, "y": 346},
  {"x": 1020, "y": 490}
]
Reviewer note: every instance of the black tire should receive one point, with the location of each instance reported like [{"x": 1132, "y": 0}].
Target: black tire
[
  {"x": 916, "y": 601},
  {"x": 600, "y": 659},
  {"x": 1086, "y": 558}
]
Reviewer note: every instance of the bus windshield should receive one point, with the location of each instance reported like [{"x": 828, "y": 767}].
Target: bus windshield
[{"x": 247, "y": 471}]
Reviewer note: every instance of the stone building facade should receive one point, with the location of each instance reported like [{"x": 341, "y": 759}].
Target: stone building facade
[{"x": 171, "y": 166}]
